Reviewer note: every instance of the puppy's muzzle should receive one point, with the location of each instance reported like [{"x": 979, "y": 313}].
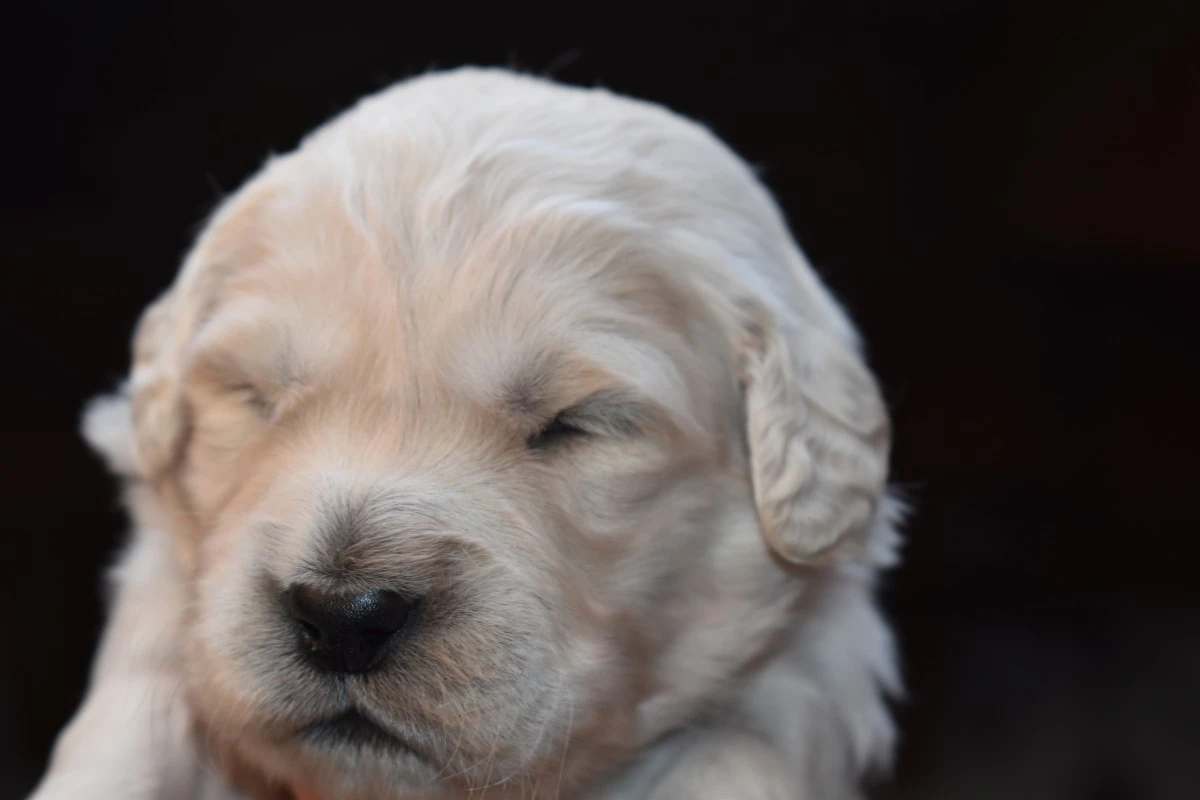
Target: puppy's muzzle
[{"x": 346, "y": 632}]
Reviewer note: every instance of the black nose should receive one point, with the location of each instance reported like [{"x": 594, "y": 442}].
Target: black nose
[{"x": 345, "y": 632}]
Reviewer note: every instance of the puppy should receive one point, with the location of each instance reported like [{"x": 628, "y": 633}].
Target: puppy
[{"x": 499, "y": 441}]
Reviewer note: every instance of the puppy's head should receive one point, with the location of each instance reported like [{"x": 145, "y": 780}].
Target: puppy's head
[{"x": 464, "y": 457}]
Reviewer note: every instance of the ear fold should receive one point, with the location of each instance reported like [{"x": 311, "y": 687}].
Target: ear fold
[
  {"x": 151, "y": 413},
  {"x": 818, "y": 438},
  {"x": 155, "y": 387},
  {"x": 138, "y": 428}
]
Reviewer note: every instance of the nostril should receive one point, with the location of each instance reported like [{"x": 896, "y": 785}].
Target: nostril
[
  {"x": 345, "y": 632},
  {"x": 304, "y": 606},
  {"x": 310, "y": 631}
]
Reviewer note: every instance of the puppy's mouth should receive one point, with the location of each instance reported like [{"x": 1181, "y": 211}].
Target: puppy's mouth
[{"x": 352, "y": 728}]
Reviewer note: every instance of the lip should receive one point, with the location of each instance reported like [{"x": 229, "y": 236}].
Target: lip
[{"x": 355, "y": 729}]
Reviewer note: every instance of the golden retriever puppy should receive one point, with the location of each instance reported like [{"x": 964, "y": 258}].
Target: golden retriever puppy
[{"x": 497, "y": 442}]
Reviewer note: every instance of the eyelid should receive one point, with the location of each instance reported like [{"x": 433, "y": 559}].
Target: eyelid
[
  {"x": 611, "y": 414},
  {"x": 254, "y": 397}
]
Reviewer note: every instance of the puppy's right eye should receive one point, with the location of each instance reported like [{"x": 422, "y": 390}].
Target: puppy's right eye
[
  {"x": 557, "y": 430},
  {"x": 253, "y": 398}
]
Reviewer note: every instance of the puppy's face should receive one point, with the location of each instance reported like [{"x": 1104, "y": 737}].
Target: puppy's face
[
  {"x": 468, "y": 486},
  {"x": 512, "y": 458}
]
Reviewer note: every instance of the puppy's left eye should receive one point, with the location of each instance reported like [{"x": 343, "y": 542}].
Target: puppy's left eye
[{"x": 557, "y": 430}]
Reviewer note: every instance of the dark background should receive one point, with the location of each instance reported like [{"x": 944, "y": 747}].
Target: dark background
[{"x": 1006, "y": 196}]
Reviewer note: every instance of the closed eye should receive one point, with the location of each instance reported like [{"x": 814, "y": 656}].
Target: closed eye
[
  {"x": 253, "y": 398},
  {"x": 555, "y": 431},
  {"x": 607, "y": 414}
]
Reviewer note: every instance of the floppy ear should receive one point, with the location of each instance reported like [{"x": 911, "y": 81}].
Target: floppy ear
[
  {"x": 155, "y": 386},
  {"x": 149, "y": 414},
  {"x": 136, "y": 428},
  {"x": 818, "y": 437}
]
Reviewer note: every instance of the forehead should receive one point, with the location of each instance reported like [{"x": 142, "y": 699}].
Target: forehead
[{"x": 510, "y": 303}]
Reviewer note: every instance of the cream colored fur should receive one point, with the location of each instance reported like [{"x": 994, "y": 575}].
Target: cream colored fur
[{"x": 341, "y": 387}]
